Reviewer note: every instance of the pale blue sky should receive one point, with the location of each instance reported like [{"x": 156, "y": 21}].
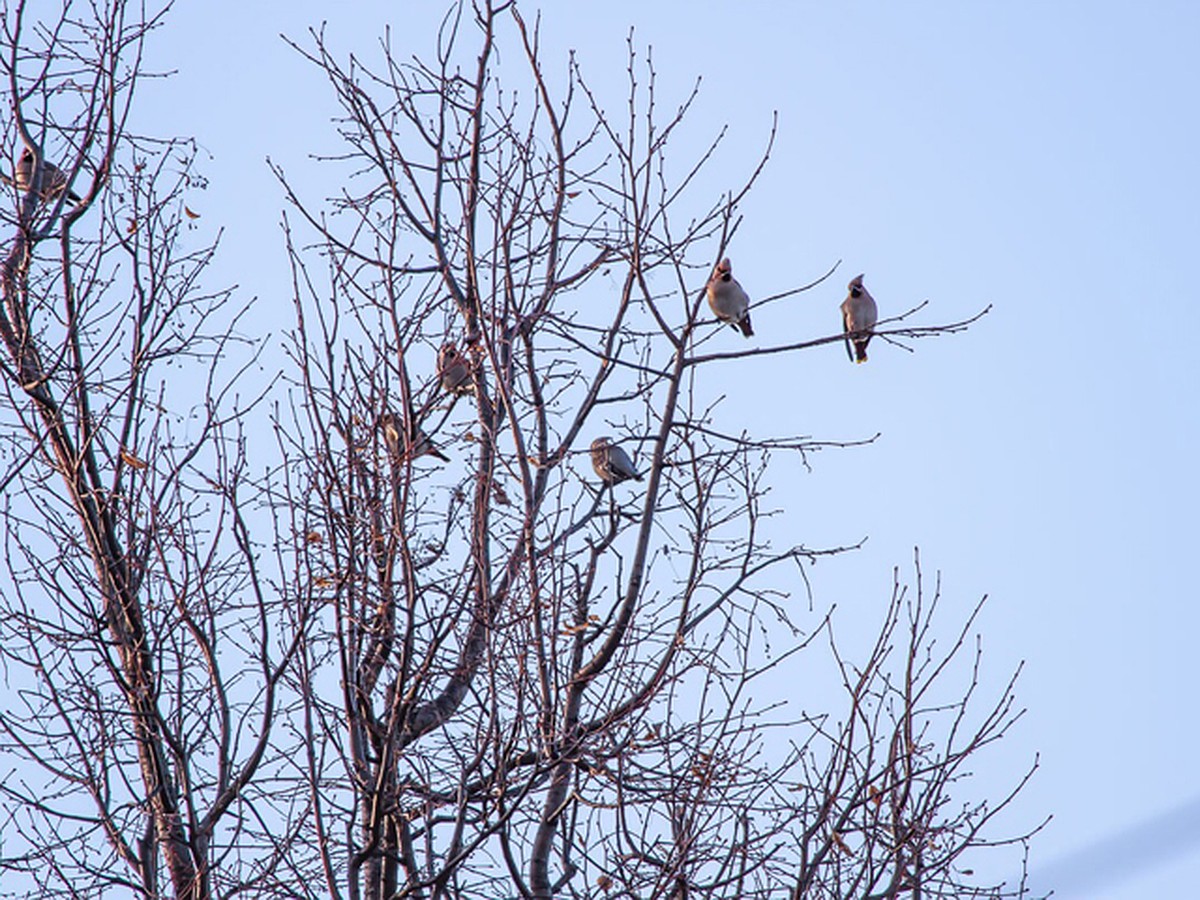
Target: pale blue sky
[{"x": 1041, "y": 157}]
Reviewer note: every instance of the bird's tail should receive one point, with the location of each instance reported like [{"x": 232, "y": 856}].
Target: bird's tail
[
  {"x": 744, "y": 324},
  {"x": 860, "y": 351}
]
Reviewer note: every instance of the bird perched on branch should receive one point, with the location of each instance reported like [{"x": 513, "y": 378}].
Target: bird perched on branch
[
  {"x": 727, "y": 299},
  {"x": 54, "y": 181},
  {"x": 611, "y": 463},
  {"x": 454, "y": 370},
  {"x": 419, "y": 443},
  {"x": 859, "y": 315}
]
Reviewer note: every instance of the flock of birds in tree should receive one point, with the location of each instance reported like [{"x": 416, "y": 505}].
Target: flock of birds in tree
[{"x": 728, "y": 300}]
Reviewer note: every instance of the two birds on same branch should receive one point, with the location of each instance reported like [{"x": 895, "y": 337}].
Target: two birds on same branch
[{"x": 730, "y": 303}]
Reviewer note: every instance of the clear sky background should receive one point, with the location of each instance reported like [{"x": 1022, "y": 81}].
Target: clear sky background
[{"x": 1039, "y": 157}]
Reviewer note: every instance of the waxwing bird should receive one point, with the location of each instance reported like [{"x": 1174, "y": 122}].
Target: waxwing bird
[
  {"x": 611, "y": 463},
  {"x": 454, "y": 370},
  {"x": 389, "y": 424},
  {"x": 859, "y": 314},
  {"x": 727, "y": 299},
  {"x": 418, "y": 445},
  {"x": 53, "y": 179}
]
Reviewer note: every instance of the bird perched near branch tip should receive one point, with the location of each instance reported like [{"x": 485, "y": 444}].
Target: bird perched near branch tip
[
  {"x": 859, "y": 315},
  {"x": 727, "y": 299},
  {"x": 454, "y": 370},
  {"x": 611, "y": 463},
  {"x": 53, "y": 179}
]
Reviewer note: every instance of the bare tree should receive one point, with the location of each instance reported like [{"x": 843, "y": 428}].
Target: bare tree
[
  {"x": 482, "y": 664},
  {"x": 544, "y": 680},
  {"x": 134, "y": 632}
]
